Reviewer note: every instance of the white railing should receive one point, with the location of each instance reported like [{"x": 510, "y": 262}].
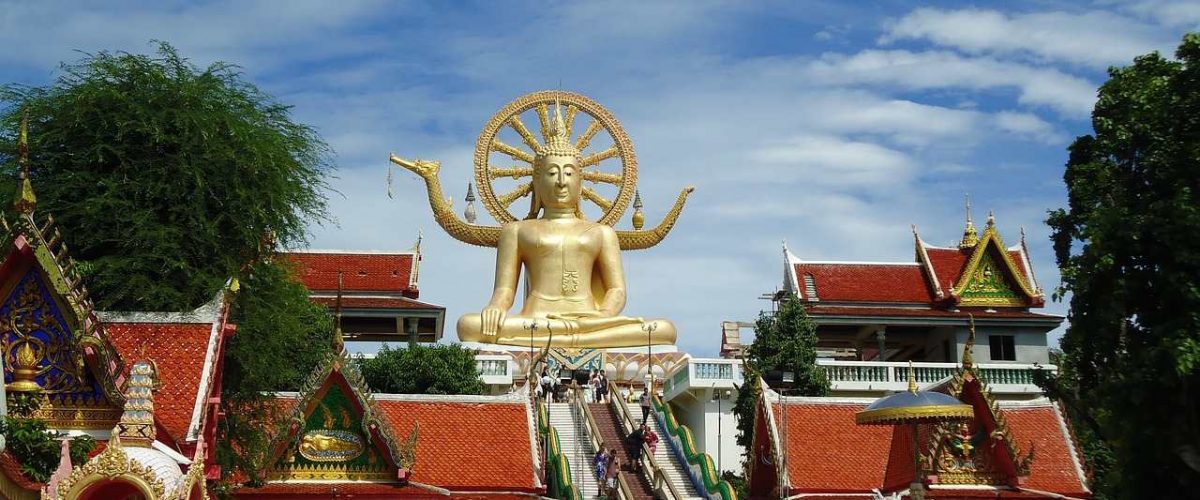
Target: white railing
[
  {"x": 702, "y": 373},
  {"x": 495, "y": 369},
  {"x": 893, "y": 376}
]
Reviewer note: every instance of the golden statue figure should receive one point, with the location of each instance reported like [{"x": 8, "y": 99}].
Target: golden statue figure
[{"x": 574, "y": 282}]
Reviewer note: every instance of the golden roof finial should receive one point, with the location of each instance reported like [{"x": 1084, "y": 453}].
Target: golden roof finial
[
  {"x": 970, "y": 237},
  {"x": 25, "y": 200},
  {"x": 912, "y": 378},
  {"x": 639, "y": 218},
  {"x": 968, "y": 358},
  {"x": 339, "y": 343}
]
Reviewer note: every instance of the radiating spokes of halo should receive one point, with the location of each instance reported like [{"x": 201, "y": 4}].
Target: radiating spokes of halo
[{"x": 510, "y": 161}]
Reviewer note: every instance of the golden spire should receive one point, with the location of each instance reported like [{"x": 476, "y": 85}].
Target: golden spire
[
  {"x": 968, "y": 358},
  {"x": 639, "y": 218},
  {"x": 912, "y": 378},
  {"x": 970, "y": 237},
  {"x": 25, "y": 200},
  {"x": 339, "y": 343},
  {"x": 136, "y": 427}
]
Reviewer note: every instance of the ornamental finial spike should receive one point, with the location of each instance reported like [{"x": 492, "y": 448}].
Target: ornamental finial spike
[
  {"x": 339, "y": 343},
  {"x": 970, "y": 237},
  {"x": 912, "y": 378},
  {"x": 469, "y": 214},
  {"x": 25, "y": 369},
  {"x": 639, "y": 218},
  {"x": 25, "y": 200},
  {"x": 136, "y": 427},
  {"x": 968, "y": 358}
]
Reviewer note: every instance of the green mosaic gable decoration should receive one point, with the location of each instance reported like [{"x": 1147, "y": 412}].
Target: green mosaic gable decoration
[
  {"x": 990, "y": 282},
  {"x": 335, "y": 432}
]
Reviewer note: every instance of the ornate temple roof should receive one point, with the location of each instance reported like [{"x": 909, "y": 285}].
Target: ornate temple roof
[
  {"x": 827, "y": 452},
  {"x": 362, "y": 271},
  {"x": 980, "y": 273}
]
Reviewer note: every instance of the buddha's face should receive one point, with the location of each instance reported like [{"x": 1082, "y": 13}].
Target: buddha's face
[{"x": 557, "y": 181}]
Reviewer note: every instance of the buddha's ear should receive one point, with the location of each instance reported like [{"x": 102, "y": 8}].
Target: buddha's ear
[{"x": 535, "y": 205}]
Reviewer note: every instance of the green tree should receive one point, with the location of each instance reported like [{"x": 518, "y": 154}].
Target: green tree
[
  {"x": 1128, "y": 245},
  {"x": 166, "y": 176},
  {"x": 166, "y": 179},
  {"x": 785, "y": 341},
  {"x": 421, "y": 369}
]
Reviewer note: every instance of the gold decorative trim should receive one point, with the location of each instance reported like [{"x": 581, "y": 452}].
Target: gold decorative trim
[
  {"x": 78, "y": 416},
  {"x": 908, "y": 415},
  {"x": 991, "y": 238},
  {"x": 112, "y": 464}
]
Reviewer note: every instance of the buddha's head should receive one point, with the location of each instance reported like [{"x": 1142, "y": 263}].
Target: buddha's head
[{"x": 557, "y": 175}]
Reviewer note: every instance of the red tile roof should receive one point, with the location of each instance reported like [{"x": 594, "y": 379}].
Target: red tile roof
[
  {"x": 828, "y": 453},
  {"x": 179, "y": 351},
  {"x": 376, "y": 303},
  {"x": 817, "y": 309},
  {"x": 865, "y": 282},
  {"x": 467, "y": 446},
  {"x": 1056, "y": 456},
  {"x": 375, "y": 272}
]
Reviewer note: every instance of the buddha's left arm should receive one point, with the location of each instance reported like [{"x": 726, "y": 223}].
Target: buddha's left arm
[{"x": 612, "y": 273}]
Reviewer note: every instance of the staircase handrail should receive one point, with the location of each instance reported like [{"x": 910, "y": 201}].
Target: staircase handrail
[
  {"x": 714, "y": 486},
  {"x": 658, "y": 478},
  {"x": 579, "y": 401},
  {"x": 558, "y": 468}
]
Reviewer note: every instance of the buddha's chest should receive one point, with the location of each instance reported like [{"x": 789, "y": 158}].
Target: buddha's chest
[{"x": 569, "y": 242}]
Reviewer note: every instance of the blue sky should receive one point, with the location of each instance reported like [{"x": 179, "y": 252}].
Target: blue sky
[{"x": 831, "y": 125}]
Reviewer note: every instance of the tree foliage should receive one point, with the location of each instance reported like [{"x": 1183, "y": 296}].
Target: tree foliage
[
  {"x": 785, "y": 341},
  {"x": 166, "y": 179},
  {"x": 166, "y": 176},
  {"x": 421, "y": 369},
  {"x": 1128, "y": 245}
]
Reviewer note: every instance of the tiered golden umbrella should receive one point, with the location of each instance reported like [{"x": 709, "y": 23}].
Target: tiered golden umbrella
[{"x": 914, "y": 407}]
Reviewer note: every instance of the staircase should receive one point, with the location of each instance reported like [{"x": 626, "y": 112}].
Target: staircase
[
  {"x": 613, "y": 436},
  {"x": 575, "y": 445},
  {"x": 675, "y": 471}
]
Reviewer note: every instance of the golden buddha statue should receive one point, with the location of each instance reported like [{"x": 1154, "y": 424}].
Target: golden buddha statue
[{"x": 574, "y": 282}]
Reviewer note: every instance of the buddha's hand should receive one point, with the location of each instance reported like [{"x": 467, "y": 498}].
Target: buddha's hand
[{"x": 491, "y": 319}]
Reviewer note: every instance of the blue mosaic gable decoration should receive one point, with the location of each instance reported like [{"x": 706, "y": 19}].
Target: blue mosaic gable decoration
[
  {"x": 575, "y": 359},
  {"x": 31, "y": 317}
]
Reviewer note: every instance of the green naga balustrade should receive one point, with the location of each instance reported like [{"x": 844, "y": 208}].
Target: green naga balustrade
[
  {"x": 714, "y": 486},
  {"x": 558, "y": 468}
]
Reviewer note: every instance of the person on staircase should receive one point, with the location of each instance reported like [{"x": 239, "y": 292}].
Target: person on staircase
[
  {"x": 650, "y": 438},
  {"x": 610, "y": 478},
  {"x": 645, "y": 402},
  {"x": 634, "y": 445}
]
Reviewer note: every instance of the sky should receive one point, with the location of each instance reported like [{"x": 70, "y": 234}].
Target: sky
[{"x": 833, "y": 126}]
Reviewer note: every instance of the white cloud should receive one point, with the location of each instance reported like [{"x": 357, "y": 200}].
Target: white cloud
[
  {"x": 1092, "y": 38},
  {"x": 1175, "y": 13},
  {"x": 1028, "y": 125},
  {"x": 1069, "y": 95},
  {"x": 833, "y": 161}
]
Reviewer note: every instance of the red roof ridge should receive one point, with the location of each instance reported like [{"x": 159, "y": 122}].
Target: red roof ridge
[
  {"x": 854, "y": 263},
  {"x": 347, "y": 252}
]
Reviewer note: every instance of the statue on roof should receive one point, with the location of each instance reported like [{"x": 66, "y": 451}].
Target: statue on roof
[{"x": 574, "y": 282}]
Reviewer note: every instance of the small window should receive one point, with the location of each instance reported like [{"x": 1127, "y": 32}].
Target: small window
[{"x": 1003, "y": 347}]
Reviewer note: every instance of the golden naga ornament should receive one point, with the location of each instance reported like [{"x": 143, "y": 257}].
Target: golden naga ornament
[{"x": 575, "y": 284}]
